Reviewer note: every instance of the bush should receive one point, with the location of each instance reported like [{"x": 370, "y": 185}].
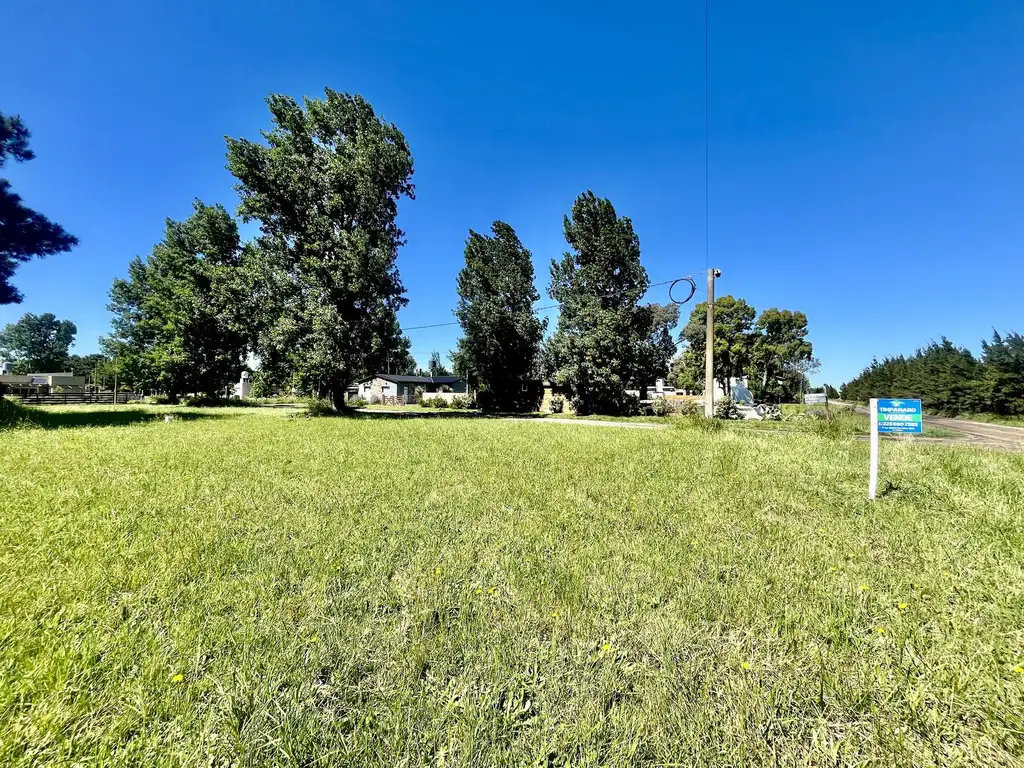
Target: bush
[
  {"x": 557, "y": 404},
  {"x": 375, "y": 400},
  {"x": 688, "y": 408},
  {"x": 434, "y": 402},
  {"x": 319, "y": 406},
  {"x": 203, "y": 401},
  {"x": 726, "y": 410},
  {"x": 357, "y": 402},
  {"x": 158, "y": 400},
  {"x": 660, "y": 407},
  {"x": 460, "y": 401},
  {"x": 136, "y": 402},
  {"x": 631, "y": 405}
]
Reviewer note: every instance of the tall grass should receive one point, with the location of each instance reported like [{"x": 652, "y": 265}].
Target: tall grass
[{"x": 256, "y": 590}]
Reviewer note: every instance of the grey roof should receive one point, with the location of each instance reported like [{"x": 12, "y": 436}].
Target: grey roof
[{"x": 400, "y": 379}]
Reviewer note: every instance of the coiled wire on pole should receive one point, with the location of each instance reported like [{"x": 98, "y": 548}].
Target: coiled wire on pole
[{"x": 671, "y": 288}]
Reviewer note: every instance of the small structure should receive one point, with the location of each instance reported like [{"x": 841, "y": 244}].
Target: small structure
[
  {"x": 42, "y": 383},
  {"x": 398, "y": 389},
  {"x": 242, "y": 389}
]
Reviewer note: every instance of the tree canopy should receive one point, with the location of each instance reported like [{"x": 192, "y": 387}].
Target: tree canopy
[
  {"x": 38, "y": 343},
  {"x": 177, "y": 323},
  {"x": 950, "y": 379},
  {"x": 325, "y": 188},
  {"x": 24, "y": 234},
  {"x": 734, "y": 338},
  {"x": 501, "y": 334},
  {"x": 770, "y": 349},
  {"x": 605, "y": 342}
]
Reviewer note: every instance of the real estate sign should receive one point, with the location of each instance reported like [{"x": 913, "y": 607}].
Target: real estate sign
[
  {"x": 816, "y": 398},
  {"x": 893, "y": 416},
  {"x": 899, "y": 416}
]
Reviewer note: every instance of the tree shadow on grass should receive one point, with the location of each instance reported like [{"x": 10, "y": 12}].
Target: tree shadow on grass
[{"x": 111, "y": 418}]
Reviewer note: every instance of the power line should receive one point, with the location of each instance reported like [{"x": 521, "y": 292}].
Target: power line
[
  {"x": 556, "y": 306},
  {"x": 707, "y": 257}
]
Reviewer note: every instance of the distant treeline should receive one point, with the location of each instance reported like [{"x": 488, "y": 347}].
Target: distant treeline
[{"x": 949, "y": 379}]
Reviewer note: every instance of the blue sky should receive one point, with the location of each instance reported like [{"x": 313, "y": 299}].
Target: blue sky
[{"x": 865, "y": 162}]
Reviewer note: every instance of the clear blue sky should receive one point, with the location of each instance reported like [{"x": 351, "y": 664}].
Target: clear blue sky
[{"x": 865, "y": 160}]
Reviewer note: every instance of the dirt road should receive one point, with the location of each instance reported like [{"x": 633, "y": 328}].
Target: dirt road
[{"x": 977, "y": 432}]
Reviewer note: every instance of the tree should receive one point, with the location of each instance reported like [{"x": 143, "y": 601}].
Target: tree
[
  {"x": 89, "y": 366},
  {"x": 802, "y": 369},
  {"x": 779, "y": 347},
  {"x": 38, "y": 343},
  {"x": 734, "y": 338},
  {"x": 947, "y": 379},
  {"x": 501, "y": 334},
  {"x": 604, "y": 343},
  {"x": 24, "y": 233},
  {"x": 325, "y": 189},
  {"x": 1003, "y": 359},
  {"x": 436, "y": 367},
  {"x": 177, "y": 324}
]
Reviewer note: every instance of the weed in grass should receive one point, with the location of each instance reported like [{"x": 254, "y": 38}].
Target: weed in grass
[{"x": 257, "y": 590}]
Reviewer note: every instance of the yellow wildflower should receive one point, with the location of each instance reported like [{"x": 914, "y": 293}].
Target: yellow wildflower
[
  {"x": 492, "y": 591},
  {"x": 863, "y": 587},
  {"x": 902, "y": 606},
  {"x": 177, "y": 678},
  {"x": 880, "y": 630},
  {"x": 1019, "y": 669},
  {"x": 745, "y": 665}
]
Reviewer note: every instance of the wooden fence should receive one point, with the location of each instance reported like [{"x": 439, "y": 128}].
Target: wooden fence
[{"x": 74, "y": 398}]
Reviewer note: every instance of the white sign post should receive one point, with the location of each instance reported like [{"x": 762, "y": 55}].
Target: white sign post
[
  {"x": 900, "y": 417},
  {"x": 873, "y": 477}
]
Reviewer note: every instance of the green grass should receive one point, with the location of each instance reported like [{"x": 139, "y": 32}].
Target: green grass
[
  {"x": 598, "y": 417},
  {"x": 249, "y": 588}
]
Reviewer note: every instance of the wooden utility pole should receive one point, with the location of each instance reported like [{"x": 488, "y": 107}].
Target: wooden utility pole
[{"x": 709, "y": 348}]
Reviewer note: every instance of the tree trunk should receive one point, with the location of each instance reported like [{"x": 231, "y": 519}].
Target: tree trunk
[{"x": 338, "y": 392}]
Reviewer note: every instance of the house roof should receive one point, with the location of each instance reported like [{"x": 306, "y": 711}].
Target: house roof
[{"x": 399, "y": 379}]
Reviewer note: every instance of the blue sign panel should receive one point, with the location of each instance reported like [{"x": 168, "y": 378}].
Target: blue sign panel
[{"x": 900, "y": 416}]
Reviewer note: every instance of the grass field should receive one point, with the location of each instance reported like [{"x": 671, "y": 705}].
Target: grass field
[{"x": 249, "y": 588}]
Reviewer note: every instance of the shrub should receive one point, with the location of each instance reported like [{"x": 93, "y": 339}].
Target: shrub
[
  {"x": 462, "y": 401},
  {"x": 158, "y": 400},
  {"x": 726, "y": 409},
  {"x": 660, "y": 407},
  {"x": 557, "y": 404},
  {"x": 204, "y": 401},
  {"x": 136, "y": 402},
  {"x": 440, "y": 402},
  {"x": 374, "y": 399},
  {"x": 319, "y": 406},
  {"x": 688, "y": 408},
  {"x": 426, "y": 402},
  {"x": 631, "y": 405},
  {"x": 357, "y": 402}
]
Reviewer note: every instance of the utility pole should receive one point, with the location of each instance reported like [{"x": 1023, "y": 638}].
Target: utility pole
[{"x": 709, "y": 348}]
